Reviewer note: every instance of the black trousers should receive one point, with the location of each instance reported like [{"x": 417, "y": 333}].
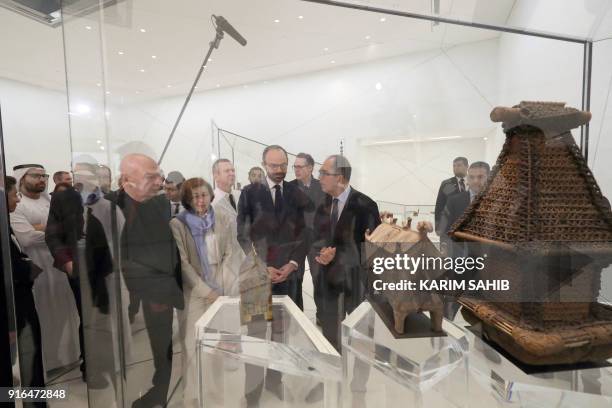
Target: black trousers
[
  {"x": 254, "y": 375},
  {"x": 29, "y": 340},
  {"x": 76, "y": 291},
  {"x": 159, "y": 330}
]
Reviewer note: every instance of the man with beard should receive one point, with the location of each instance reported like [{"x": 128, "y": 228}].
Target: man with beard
[
  {"x": 52, "y": 293},
  {"x": 150, "y": 264},
  {"x": 271, "y": 220}
]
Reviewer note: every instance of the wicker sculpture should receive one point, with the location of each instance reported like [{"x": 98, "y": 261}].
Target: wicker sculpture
[
  {"x": 386, "y": 241},
  {"x": 546, "y": 227}
]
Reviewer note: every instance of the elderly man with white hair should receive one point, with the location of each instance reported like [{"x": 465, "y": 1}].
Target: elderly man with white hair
[
  {"x": 52, "y": 293},
  {"x": 150, "y": 264}
]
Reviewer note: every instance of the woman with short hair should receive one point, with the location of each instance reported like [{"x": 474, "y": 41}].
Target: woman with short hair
[{"x": 204, "y": 240}]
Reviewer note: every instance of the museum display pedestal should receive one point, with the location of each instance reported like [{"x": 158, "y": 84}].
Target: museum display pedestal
[
  {"x": 311, "y": 368},
  {"x": 383, "y": 371},
  {"x": 497, "y": 380}
]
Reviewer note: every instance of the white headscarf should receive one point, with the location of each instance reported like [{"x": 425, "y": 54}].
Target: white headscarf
[{"x": 21, "y": 170}]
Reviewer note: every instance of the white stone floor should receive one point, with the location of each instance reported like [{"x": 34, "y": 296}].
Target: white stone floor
[{"x": 140, "y": 371}]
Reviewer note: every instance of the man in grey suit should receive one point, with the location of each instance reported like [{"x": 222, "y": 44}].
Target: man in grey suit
[
  {"x": 303, "y": 167},
  {"x": 224, "y": 201},
  {"x": 224, "y": 175}
]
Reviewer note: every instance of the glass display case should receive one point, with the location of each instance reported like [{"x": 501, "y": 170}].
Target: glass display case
[
  {"x": 496, "y": 380},
  {"x": 381, "y": 370},
  {"x": 310, "y": 367}
]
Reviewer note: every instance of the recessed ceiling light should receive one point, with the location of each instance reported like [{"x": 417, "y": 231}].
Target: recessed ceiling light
[
  {"x": 325, "y": 49},
  {"x": 378, "y": 86},
  {"x": 88, "y": 27},
  {"x": 367, "y": 37},
  {"x": 99, "y": 141},
  {"x": 98, "y": 84},
  {"x": 168, "y": 86},
  {"x": 154, "y": 56},
  {"x": 101, "y": 147},
  {"x": 485, "y": 138},
  {"x": 196, "y": 87},
  {"x": 210, "y": 60},
  {"x": 141, "y": 70},
  {"x": 301, "y": 17},
  {"x": 218, "y": 85},
  {"x": 277, "y": 21},
  {"x": 383, "y": 19},
  {"x": 333, "y": 62},
  {"x": 120, "y": 52},
  {"x": 137, "y": 92},
  {"x": 142, "y": 30},
  {"x": 108, "y": 92}
]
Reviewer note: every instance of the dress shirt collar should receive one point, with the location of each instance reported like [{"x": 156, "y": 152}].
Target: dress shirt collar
[
  {"x": 219, "y": 194},
  {"x": 271, "y": 184},
  {"x": 344, "y": 195},
  {"x": 304, "y": 184},
  {"x": 472, "y": 195}
]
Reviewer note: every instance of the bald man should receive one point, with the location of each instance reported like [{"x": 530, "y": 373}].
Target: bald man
[{"x": 150, "y": 264}]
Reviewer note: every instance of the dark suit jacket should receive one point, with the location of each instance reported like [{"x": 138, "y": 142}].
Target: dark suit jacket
[
  {"x": 359, "y": 214},
  {"x": 315, "y": 197},
  {"x": 65, "y": 227},
  {"x": 149, "y": 255},
  {"x": 276, "y": 240},
  {"x": 447, "y": 188},
  {"x": 455, "y": 207}
]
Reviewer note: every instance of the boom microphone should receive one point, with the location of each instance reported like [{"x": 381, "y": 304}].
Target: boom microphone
[{"x": 224, "y": 25}]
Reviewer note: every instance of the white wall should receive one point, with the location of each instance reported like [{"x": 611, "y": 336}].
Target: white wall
[
  {"x": 429, "y": 94},
  {"x": 425, "y": 95},
  {"x": 35, "y": 126}
]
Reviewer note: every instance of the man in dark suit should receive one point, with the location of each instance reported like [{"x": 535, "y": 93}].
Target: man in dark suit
[
  {"x": 79, "y": 237},
  {"x": 271, "y": 220},
  {"x": 447, "y": 188},
  {"x": 24, "y": 272},
  {"x": 310, "y": 186},
  {"x": 150, "y": 264},
  {"x": 453, "y": 210},
  {"x": 340, "y": 225}
]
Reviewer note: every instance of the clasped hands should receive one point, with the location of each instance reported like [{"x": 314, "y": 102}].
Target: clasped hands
[
  {"x": 280, "y": 275},
  {"x": 326, "y": 255}
]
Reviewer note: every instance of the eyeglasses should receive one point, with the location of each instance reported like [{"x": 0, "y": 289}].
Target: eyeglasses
[
  {"x": 277, "y": 166},
  {"x": 37, "y": 176},
  {"x": 323, "y": 173}
]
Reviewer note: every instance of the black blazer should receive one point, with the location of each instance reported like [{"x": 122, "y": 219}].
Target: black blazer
[
  {"x": 149, "y": 255},
  {"x": 276, "y": 240},
  {"x": 315, "y": 197},
  {"x": 65, "y": 227},
  {"x": 359, "y": 214},
  {"x": 455, "y": 207},
  {"x": 447, "y": 188}
]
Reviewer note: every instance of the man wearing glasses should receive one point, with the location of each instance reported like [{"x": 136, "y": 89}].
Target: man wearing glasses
[
  {"x": 271, "y": 220},
  {"x": 52, "y": 293},
  {"x": 340, "y": 225},
  {"x": 310, "y": 186}
]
